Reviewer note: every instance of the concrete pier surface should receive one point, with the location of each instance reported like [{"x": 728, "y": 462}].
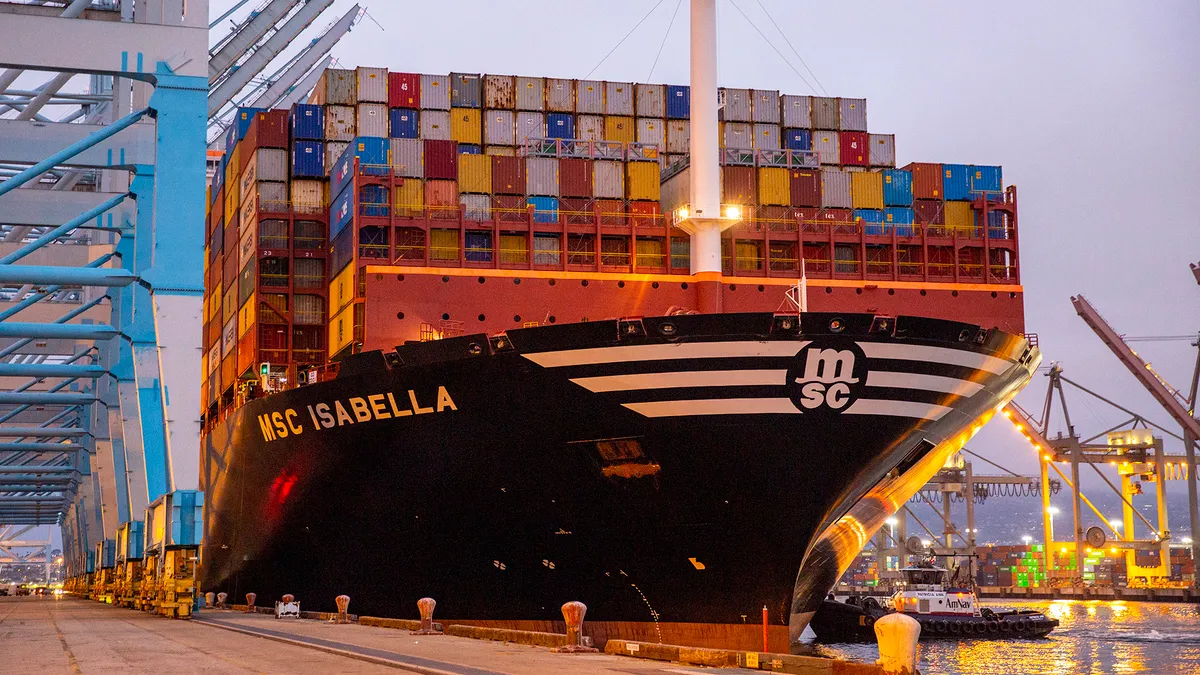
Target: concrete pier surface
[{"x": 48, "y": 636}]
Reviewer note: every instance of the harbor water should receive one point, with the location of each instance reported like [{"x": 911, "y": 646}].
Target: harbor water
[{"x": 1094, "y": 636}]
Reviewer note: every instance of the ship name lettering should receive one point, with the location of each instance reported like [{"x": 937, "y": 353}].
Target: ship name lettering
[{"x": 288, "y": 422}]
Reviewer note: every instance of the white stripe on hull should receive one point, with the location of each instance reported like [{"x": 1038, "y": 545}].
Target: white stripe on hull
[
  {"x": 715, "y": 406},
  {"x": 954, "y": 357},
  {"x": 899, "y": 380},
  {"x": 697, "y": 378},
  {"x": 869, "y": 406},
  {"x": 663, "y": 352}
]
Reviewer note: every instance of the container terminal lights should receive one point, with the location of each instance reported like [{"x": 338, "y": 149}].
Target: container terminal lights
[{"x": 335, "y": 226}]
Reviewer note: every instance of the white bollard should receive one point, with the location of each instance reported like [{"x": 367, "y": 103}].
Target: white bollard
[{"x": 897, "y": 635}]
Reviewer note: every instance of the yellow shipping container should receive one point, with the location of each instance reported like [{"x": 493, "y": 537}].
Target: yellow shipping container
[
  {"x": 475, "y": 174},
  {"x": 410, "y": 198},
  {"x": 341, "y": 290},
  {"x": 642, "y": 181},
  {"x": 650, "y": 252},
  {"x": 246, "y": 316},
  {"x": 866, "y": 190},
  {"x": 443, "y": 244},
  {"x": 465, "y": 125},
  {"x": 233, "y": 189},
  {"x": 617, "y": 128},
  {"x": 341, "y": 330},
  {"x": 774, "y": 186},
  {"x": 959, "y": 216}
]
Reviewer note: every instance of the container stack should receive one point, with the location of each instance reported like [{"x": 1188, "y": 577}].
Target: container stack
[{"x": 267, "y": 234}]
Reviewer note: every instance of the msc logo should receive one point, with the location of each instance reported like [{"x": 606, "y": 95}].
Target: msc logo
[
  {"x": 344, "y": 210},
  {"x": 827, "y": 378}
]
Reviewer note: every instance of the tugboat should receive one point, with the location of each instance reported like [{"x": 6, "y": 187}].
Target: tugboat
[{"x": 944, "y": 611}]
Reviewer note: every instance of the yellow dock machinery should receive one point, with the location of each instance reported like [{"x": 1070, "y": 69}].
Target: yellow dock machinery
[
  {"x": 130, "y": 544},
  {"x": 174, "y": 527}
]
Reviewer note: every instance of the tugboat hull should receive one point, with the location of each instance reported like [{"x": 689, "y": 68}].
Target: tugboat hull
[{"x": 843, "y": 622}]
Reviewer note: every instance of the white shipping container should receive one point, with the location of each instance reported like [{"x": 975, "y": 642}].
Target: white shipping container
[
  {"x": 589, "y": 97},
  {"x": 853, "y": 114},
  {"x": 530, "y": 125},
  {"x": 263, "y": 164},
  {"x": 531, "y": 93},
  {"x": 589, "y": 128},
  {"x": 651, "y": 100},
  {"x": 499, "y": 127},
  {"x": 825, "y": 143},
  {"x": 739, "y": 135},
  {"x": 737, "y": 106},
  {"x": 340, "y": 124},
  {"x": 618, "y": 98},
  {"x": 547, "y": 249},
  {"x": 373, "y": 119},
  {"x": 272, "y": 196},
  {"x": 477, "y": 207},
  {"x": 408, "y": 157},
  {"x": 435, "y": 125},
  {"x": 676, "y": 191},
  {"x": 541, "y": 176},
  {"x": 333, "y": 151},
  {"x": 336, "y": 87},
  {"x": 308, "y": 196},
  {"x": 679, "y": 134},
  {"x": 825, "y": 113},
  {"x": 766, "y": 106},
  {"x": 608, "y": 179},
  {"x": 248, "y": 247},
  {"x": 797, "y": 112},
  {"x": 882, "y": 149},
  {"x": 229, "y": 336},
  {"x": 835, "y": 188},
  {"x": 560, "y": 95},
  {"x": 766, "y": 136},
  {"x": 372, "y": 85},
  {"x": 652, "y": 131},
  {"x": 435, "y": 93}
]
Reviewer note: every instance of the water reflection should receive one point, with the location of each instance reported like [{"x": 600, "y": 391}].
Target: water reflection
[{"x": 1094, "y": 637}]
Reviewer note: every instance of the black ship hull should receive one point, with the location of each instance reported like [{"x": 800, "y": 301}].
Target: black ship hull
[{"x": 666, "y": 470}]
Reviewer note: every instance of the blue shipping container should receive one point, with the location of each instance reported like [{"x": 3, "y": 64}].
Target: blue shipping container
[
  {"x": 373, "y": 159},
  {"x": 478, "y": 246},
  {"x": 995, "y": 224},
  {"x": 560, "y": 125},
  {"x": 986, "y": 179},
  {"x": 899, "y": 218},
  {"x": 797, "y": 139},
  {"x": 241, "y": 124},
  {"x": 956, "y": 182},
  {"x": 679, "y": 102},
  {"x": 308, "y": 122},
  {"x": 308, "y": 159},
  {"x": 373, "y": 201},
  {"x": 545, "y": 209},
  {"x": 872, "y": 220},
  {"x": 897, "y": 187},
  {"x": 341, "y": 251},
  {"x": 469, "y": 149},
  {"x": 341, "y": 212},
  {"x": 404, "y": 123}
]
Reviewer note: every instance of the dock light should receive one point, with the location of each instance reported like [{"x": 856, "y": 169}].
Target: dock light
[
  {"x": 1187, "y": 540},
  {"x": 1052, "y": 510},
  {"x": 926, "y": 543},
  {"x": 1026, "y": 538},
  {"x": 1115, "y": 524},
  {"x": 892, "y": 522},
  {"x": 683, "y": 213},
  {"x": 733, "y": 212}
]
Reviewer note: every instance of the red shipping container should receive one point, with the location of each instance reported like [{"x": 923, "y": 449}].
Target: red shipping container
[
  {"x": 775, "y": 216},
  {"x": 575, "y": 177},
  {"x": 646, "y": 214},
  {"x": 508, "y": 175},
  {"x": 578, "y": 210},
  {"x": 268, "y": 129},
  {"x": 216, "y": 213},
  {"x": 738, "y": 185},
  {"x": 926, "y": 179},
  {"x": 509, "y": 208},
  {"x": 230, "y": 242},
  {"x": 929, "y": 211},
  {"x": 854, "y": 147},
  {"x": 806, "y": 187},
  {"x": 404, "y": 90},
  {"x": 441, "y": 160},
  {"x": 229, "y": 370},
  {"x": 612, "y": 212},
  {"x": 247, "y": 349},
  {"x": 441, "y": 197}
]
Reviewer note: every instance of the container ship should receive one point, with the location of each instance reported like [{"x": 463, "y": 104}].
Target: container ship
[{"x": 513, "y": 341}]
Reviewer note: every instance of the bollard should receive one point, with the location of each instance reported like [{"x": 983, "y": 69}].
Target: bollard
[
  {"x": 210, "y": 599},
  {"x": 221, "y": 600},
  {"x": 250, "y": 602},
  {"x": 897, "y": 635},
  {"x": 343, "y": 604},
  {"x": 288, "y": 597},
  {"x": 573, "y": 613},
  {"x": 287, "y": 608},
  {"x": 425, "y": 606}
]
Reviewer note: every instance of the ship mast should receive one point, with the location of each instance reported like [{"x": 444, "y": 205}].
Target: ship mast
[{"x": 702, "y": 220}]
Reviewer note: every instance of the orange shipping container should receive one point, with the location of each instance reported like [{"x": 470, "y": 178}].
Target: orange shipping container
[
  {"x": 617, "y": 128},
  {"x": 927, "y": 180},
  {"x": 475, "y": 174},
  {"x": 441, "y": 198},
  {"x": 774, "y": 186},
  {"x": 866, "y": 190},
  {"x": 410, "y": 198},
  {"x": 641, "y": 181}
]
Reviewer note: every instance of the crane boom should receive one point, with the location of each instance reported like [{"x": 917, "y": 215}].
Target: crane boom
[{"x": 1140, "y": 369}]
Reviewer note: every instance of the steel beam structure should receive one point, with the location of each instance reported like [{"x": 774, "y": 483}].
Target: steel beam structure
[
  {"x": 51, "y": 207},
  {"x": 245, "y": 35},
  {"x": 287, "y": 82}
]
